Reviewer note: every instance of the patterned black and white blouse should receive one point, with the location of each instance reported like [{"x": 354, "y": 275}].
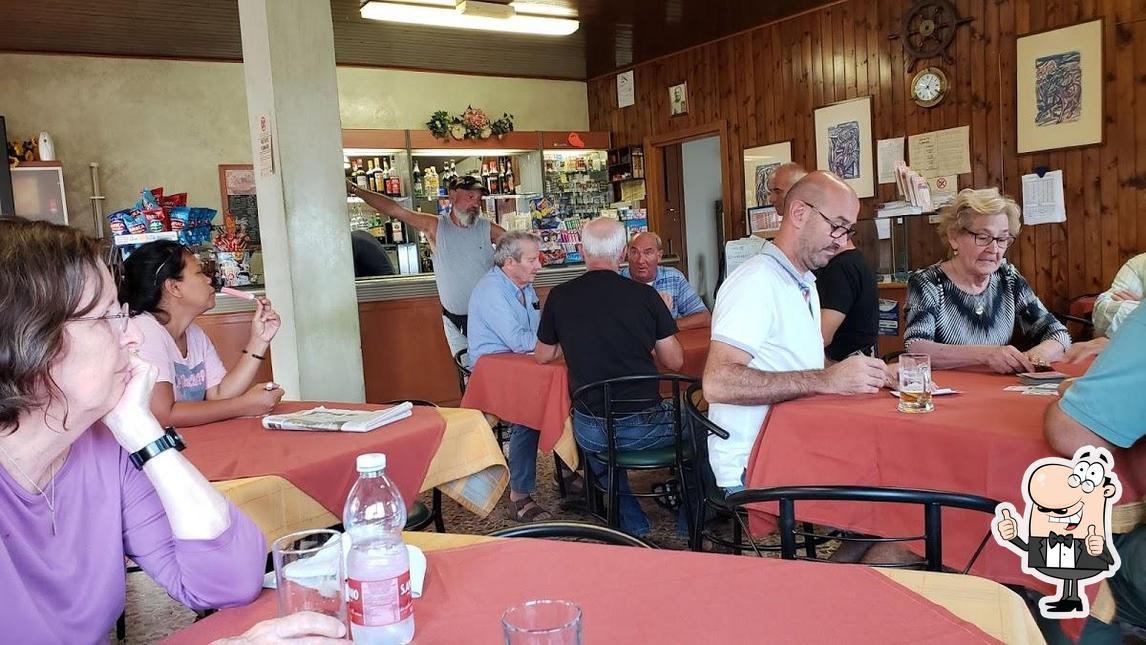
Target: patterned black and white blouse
[{"x": 939, "y": 311}]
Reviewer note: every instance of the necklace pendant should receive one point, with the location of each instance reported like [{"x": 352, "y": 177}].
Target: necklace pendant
[{"x": 979, "y": 309}]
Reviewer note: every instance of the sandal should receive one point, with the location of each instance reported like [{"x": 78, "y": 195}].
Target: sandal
[
  {"x": 574, "y": 482},
  {"x": 668, "y": 495},
  {"x": 527, "y": 510}
]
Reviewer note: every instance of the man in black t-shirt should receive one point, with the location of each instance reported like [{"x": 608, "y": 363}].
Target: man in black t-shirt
[
  {"x": 608, "y": 326},
  {"x": 849, "y": 304}
]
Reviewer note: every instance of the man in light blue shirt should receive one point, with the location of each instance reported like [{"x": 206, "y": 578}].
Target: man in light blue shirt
[
  {"x": 683, "y": 303},
  {"x": 1106, "y": 408},
  {"x": 504, "y": 313}
]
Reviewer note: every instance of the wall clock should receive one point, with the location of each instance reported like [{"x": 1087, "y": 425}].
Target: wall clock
[{"x": 929, "y": 87}]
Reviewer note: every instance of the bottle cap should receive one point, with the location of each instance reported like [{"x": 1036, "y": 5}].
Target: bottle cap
[{"x": 371, "y": 462}]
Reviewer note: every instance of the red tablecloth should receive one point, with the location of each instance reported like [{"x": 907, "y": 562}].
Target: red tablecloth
[
  {"x": 630, "y": 595},
  {"x": 980, "y": 441},
  {"x": 695, "y": 344},
  {"x": 320, "y": 464},
  {"x": 517, "y": 389}
]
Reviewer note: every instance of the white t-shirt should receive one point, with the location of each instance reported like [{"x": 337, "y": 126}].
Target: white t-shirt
[
  {"x": 190, "y": 376},
  {"x": 769, "y": 310}
]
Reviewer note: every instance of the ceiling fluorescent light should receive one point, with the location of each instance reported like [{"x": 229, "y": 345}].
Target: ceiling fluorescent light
[{"x": 448, "y": 16}]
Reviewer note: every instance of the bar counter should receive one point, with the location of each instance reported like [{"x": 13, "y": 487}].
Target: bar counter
[{"x": 400, "y": 360}]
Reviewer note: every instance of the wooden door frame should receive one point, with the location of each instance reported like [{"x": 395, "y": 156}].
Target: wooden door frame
[{"x": 654, "y": 170}]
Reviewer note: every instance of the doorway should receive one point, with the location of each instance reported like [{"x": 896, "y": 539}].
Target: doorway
[{"x": 688, "y": 174}]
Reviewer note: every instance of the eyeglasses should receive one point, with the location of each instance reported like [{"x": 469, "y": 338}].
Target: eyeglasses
[
  {"x": 983, "y": 239},
  {"x": 838, "y": 231},
  {"x": 117, "y": 321}
]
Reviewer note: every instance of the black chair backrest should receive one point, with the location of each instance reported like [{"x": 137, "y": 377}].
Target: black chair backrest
[
  {"x": 575, "y": 530},
  {"x": 931, "y": 501},
  {"x": 460, "y": 360},
  {"x": 608, "y": 391},
  {"x": 692, "y": 398}
]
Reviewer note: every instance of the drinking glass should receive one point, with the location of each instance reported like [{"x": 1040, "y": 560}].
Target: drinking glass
[
  {"x": 915, "y": 383},
  {"x": 309, "y": 573},
  {"x": 542, "y": 622}
]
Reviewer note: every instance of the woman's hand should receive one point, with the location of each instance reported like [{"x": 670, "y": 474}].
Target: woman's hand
[
  {"x": 131, "y": 421},
  {"x": 266, "y": 322},
  {"x": 260, "y": 400},
  {"x": 1006, "y": 359},
  {"x": 305, "y": 626}
]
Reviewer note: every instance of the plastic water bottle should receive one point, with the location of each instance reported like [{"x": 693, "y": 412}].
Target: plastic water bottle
[{"x": 378, "y": 594}]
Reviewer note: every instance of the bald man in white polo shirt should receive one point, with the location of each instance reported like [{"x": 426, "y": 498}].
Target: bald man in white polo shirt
[{"x": 766, "y": 343}]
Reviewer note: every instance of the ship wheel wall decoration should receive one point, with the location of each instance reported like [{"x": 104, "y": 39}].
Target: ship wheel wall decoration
[{"x": 928, "y": 30}]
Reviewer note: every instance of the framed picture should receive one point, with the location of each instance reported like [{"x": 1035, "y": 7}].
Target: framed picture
[
  {"x": 844, "y": 143},
  {"x": 678, "y": 99},
  {"x": 763, "y": 221},
  {"x": 1059, "y": 83},
  {"x": 760, "y": 163}
]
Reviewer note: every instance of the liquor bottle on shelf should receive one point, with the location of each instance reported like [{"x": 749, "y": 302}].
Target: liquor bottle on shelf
[
  {"x": 419, "y": 187},
  {"x": 485, "y": 174},
  {"x": 503, "y": 176},
  {"x": 376, "y": 228},
  {"x": 360, "y": 176},
  {"x": 492, "y": 182},
  {"x": 377, "y": 176},
  {"x": 453, "y": 170},
  {"x": 433, "y": 182},
  {"x": 397, "y": 232},
  {"x": 394, "y": 183}
]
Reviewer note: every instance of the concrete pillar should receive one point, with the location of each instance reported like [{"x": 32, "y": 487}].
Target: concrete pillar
[{"x": 292, "y": 99}]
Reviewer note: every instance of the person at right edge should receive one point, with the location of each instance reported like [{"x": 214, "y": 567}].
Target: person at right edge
[{"x": 1105, "y": 408}]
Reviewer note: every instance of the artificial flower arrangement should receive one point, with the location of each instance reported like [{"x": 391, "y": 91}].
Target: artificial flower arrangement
[{"x": 471, "y": 124}]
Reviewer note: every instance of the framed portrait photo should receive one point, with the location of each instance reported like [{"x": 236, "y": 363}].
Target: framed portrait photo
[
  {"x": 760, "y": 163},
  {"x": 844, "y": 144},
  {"x": 1059, "y": 86},
  {"x": 678, "y": 99}
]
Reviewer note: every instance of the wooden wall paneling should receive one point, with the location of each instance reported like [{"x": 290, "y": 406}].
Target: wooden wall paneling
[
  {"x": 1109, "y": 221},
  {"x": 1127, "y": 109},
  {"x": 1140, "y": 131},
  {"x": 854, "y": 60}
]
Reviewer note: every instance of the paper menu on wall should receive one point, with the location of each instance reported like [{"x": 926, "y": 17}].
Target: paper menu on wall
[
  {"x": 1043, "y": 201},
  {"x": 888, "y": 151},
  {"x": 941, "y": 153},
  {"x": 738, "y": 252}
]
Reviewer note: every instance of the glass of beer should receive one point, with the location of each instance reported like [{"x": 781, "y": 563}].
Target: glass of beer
[{"x": 915, "y": 383}]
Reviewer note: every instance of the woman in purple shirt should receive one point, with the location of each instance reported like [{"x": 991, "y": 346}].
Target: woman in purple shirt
[{"x": 74, "y": 424}]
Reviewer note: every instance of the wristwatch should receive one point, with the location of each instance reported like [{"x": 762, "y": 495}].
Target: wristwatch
[{"x": 170, "y": 439}]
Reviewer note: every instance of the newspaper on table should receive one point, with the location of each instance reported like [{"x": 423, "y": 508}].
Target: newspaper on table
[{"x": 323, "y": 419}]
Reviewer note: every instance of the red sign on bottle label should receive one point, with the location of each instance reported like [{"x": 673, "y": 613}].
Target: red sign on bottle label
[{"x": 377, "y": 603}]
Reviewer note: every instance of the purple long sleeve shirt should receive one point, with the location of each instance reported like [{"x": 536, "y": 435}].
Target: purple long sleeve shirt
[{"x": 69, "y": 588}]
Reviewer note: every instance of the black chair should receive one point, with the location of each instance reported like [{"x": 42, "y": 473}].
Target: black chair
[
  {"x": 420, "y": 515},
  {"x": 677, "y": 457},
  {"x": 713, "y": 503},
  {"x": 931, "y": 502},
  {"x": 575, "y": 530},
  {"x": 464, "y": 373}
]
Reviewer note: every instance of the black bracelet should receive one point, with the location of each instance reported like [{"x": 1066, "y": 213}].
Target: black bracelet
[{"x": 253, "y": 355}]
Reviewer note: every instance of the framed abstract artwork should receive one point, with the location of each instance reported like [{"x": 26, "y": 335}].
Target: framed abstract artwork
[
  {"x": 759, "y": 165},
  {"x": 844, "y": 144},
  {"x": 1059, "y": 83}
]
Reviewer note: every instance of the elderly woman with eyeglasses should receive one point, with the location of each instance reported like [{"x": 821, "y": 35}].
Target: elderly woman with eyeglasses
[
  {"x": 165, "y": 288},
  {"x": 965, "y": 311}
]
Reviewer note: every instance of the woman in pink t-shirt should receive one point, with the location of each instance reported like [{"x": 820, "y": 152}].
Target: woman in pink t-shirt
[
  {"x": 87, "y": 475},
  {"x": 166, "y": 289}
]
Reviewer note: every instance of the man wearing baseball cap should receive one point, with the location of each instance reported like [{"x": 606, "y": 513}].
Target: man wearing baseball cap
[{"x": 462, "y": 245}]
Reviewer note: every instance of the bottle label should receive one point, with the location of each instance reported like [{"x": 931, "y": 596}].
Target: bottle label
[{"x": 377, "y": 603}]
